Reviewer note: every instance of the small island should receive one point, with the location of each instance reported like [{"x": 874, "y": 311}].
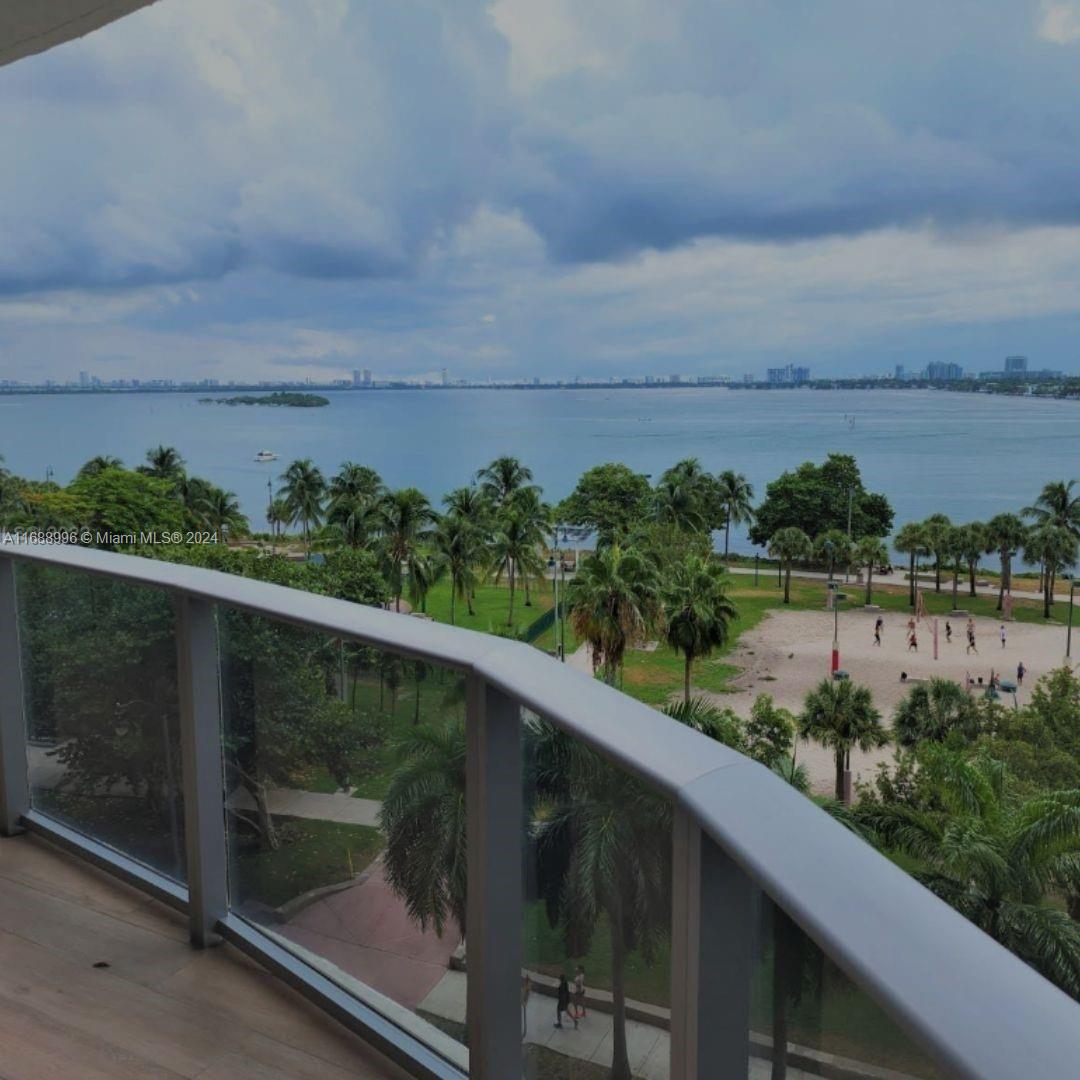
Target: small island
[{"x": 279, "y": 397}]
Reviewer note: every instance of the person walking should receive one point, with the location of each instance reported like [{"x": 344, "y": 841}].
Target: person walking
[
  {"x": 948, "y": 632},
  {"x": 877, "y": 635},
  {"x": 562, "y": 1002},
  {"x": 1002, "y": 633},
  {"x": 1021, "y": 671},
  {"x": 971, "y": 647},
  {"x": 579, "y": 994},
  {"x": 912, "y": 642}
]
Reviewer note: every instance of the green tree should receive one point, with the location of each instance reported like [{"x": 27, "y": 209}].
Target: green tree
[
  {"x": 1054, "y": 548},
  {"x": 972, "y": 543},
  {"x": 118, "y": 502},
  {"x": 698, "y": 611},
  {"x": 912, "y": 541},
  {"x": 614, "y": 601},
  {"x": 736, "y": 495},
  {"x": 937, "y": 531},
  {"x": 515, "y": 549},
  {"x": 353, "y": 481},
  {"x": 770, "y": 732},
  {"x": 99, "y": 464},
  {"x": 841, "y": 715},
  {"x": 457, "y": 543},
  {"x": 869, "y": 554},
  {"x": 304, "y": 489},
  {"x": 163, "y": 462},
  {"x": 609, "y": 498},
  {"x": 405, "y": 518},
  {"x": 503, "y": 479},
  {"x": 1005, "y": 536},
  {"x": 933, "y": 712},
  {"x": 221, "y": 513},
  {"x": 834, "y": 549},
  {"x": 789, "y": 545},
  {"x": 816, "y": 498},
  {"x": 1056, "y": 506},
  {"x": 996, "y": 858},
  {"x": 678, "y": 503}
]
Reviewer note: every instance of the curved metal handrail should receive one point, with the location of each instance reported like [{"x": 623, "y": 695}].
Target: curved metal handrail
[{"x": 981, "y": 1010}]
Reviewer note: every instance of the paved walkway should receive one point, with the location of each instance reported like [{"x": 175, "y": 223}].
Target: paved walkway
[{"x": 292, "y": 802}]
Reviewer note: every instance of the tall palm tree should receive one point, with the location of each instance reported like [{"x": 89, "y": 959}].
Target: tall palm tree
[
  {"x": 515, "y": 550},
  {"x": 164, "y": 462},
  {"x": 911, "y": 540},
  {"x": 536, "y": 520},
  {"x": 954, "y": 551},
  {"x": 603, "y": 841},
  {"x": 937, "y": 531},
  {"x": 1056, "y": 505},
  {"x": 503, "y": 478},
  {"x": 303, "y": 490},
  {"x": 1005, "y": 535},
  {"x": 870, "y": 553},
  {"x": 423, "y": 572},
  {"x": 932, "y": 711},
  {"x": 457, "y": 544},
  {"x": 995, "y": 857},
  {"x": 1054, "y": 548},
  {"x": 736, "y": 502},
  {"x": 470, "y": 503},
  {"x": 840, "y": 715},
  {"x": 355, "y": 481},
  {"x": 973, "y": 540},
  {"x": 788, "y": 545},
  {"x": 277, "y": 517},
  {"x": 697, "y": 610},
  {"x": 677, "y": 502},
  {"x": 405, "y": 517},
  {"x": 423, "y": 817},
  {"x": 614, "y": 600},
  {"x": 354, "y": 519},
  {"x": 833, "y": 548}
]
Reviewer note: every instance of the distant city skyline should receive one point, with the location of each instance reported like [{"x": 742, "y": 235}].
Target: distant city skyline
[{"x": 543, "y": 191}]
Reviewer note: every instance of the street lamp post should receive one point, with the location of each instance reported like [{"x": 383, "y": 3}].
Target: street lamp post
[
  {"x": 850, "y": 496},
  {"x": 1068, "y": 632},
  {"x": 836, "y": 627}
]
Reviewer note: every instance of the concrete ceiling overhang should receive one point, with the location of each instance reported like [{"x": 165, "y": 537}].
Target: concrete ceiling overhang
[{"x": 32, "y": 26}]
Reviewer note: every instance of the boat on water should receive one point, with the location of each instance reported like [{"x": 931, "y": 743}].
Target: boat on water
[{"x": 266, "y": 455}]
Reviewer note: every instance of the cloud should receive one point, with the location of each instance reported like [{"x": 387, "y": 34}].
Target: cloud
[{"x": 1060, "y": 23}]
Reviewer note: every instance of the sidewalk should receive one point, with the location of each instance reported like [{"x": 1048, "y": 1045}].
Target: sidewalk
[{"x": 291, "y": 802}]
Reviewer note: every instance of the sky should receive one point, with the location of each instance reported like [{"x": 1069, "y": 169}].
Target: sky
[{"x": 283, "y": 189}]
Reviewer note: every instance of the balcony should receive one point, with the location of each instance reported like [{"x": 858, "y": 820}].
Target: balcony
[{"x": 150, "y": 715}]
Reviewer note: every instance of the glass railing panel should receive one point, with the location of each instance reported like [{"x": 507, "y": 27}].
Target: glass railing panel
[
  {"x": 103, "y": 721},
  {"x": 596, "y": 907},
  {"x": 825, "y": 1024},
  {"x": 345, "y": 796}
]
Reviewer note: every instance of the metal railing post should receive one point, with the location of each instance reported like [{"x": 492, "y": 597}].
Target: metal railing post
[
  {"x": 14, "y": 766},
  {"x": 493, "y": 932},
  {"x": 203, "y": 770},
  {"x": 714, "y": 916}
]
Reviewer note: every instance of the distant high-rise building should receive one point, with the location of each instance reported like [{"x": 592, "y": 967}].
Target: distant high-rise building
[
  {"x": 365, "y": 379},
  {"x": 943, "y": 371},
  {"x": 84, "y": 378},
  {"x": 674, "y": 379},
  {"x": 445, "y": 377},
  {"x": 357, "y": 377},
  {"x": 788, "y": 376},
  {"x": 1015, "y": 365},
  {"x": 898, "y": 373}
]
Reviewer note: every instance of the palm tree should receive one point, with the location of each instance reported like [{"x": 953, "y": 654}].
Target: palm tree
[
  {"x": 787, "y": 545},
  {"x": 954, "y": 550},
  {"x": 972, "y": 541},
  {"x": 405, "y": 519},
  {"x": 99, "y": 464},
  {"x": 677, "y": 502},
  {"x": 503, "y": 478},
  {"x": 515, "y": 550},
  {"x": 1056, "y": 505},
  {"x": 277, "y": 517},
  {"x": 354, "y": 519},
  {"x": 932, "y": 711},
  {"x": 164, "y": 462},
  {"x": 423, "y": 573},
  {"x": 1054, "y": 548},
  {"x": 1005, "y": 535},
  {"x": 834, "y": 548},
  {"x": 911, "y": 540},
  {"x": 614, "y": 600},
  {"x": 736, "y": 501},
  {"x": 470, "y": 503},
  {"x": 870, "y": 552},
  {"x": 995, "y": 857},
  {"x": 604, "y": 849},
  {"x": 423, "y": 819},
  {"x": 697, "y": 610},
  {"x": 222, "y": 513},
  {"x": 303, "y": 489},
  {"x": 354, "y": 481},
  {"x": 840, "y": 715},
  {"x": 936, "y": 530},
  {"x": 536, "y": 520},
  {"x": 457, "y": 545}
]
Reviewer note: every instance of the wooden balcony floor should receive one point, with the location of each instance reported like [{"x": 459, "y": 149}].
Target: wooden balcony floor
[{"x": 159, "y": 1008}]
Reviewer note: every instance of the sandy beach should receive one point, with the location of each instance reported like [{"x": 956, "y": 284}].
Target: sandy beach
[{"x": 789, "y": 652}]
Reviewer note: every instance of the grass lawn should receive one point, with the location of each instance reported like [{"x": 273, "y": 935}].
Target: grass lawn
[
  {"x": 492, "y": 606},
  {"x": 312, "y": 854}
]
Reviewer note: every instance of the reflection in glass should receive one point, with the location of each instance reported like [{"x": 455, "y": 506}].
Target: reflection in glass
[
  {"x": 103, "y": 725},
  {"x": 345, "y": 776}
]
